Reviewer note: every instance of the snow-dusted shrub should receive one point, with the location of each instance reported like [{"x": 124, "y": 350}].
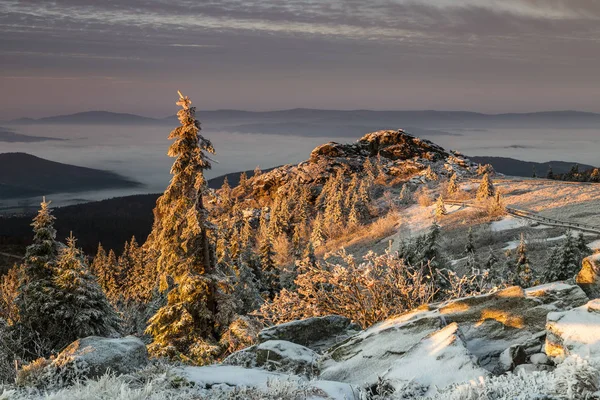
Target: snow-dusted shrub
[
  {"x": 577, "y": 379},
  {"x": 368, "y": 292},
  {"x": 522, "y": 386}
]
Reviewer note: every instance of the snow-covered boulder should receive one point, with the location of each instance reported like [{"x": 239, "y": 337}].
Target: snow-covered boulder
[
  {"x": 561, "y": 295},
  {"x": 94, "y": 356},
  {"x": 318, "y": 333},
  {"x": 489, "y": 324},
  {"x": 363, "y": 358},
  {"x": 588, "y": 277},
  {"x": 437, "y": 361},
  {"x": 574, "y": 332},
  {"x": 228, "y": 377},
  {"x": 512, "y": 357},
  {"x": 277, "y": 355}
]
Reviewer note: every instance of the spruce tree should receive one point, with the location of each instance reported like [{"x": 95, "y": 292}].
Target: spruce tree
[
  {"x": 82, "y": 307},
  {"x": 523, "y": 273},
  {"x": 257, "y": 172},
  {"x": 440, "y": 207},
  {"x": 552, "y": 272},
  {"x": 270, "y": 273},
  {"x": 244, "y": 181},
  {"x": 470, "y": 246},
  {"x": 198, "y": 309},
  {"x": 37, "y": 296},
  {"x": 318, "y": 236},
  {"x": 582, "y": 246},
  {"x": 550, "y": 174},
  {"x": 568, "y": 263},
  {"x": 452, "y": 188},
  {"x": 486, "y": 188}
]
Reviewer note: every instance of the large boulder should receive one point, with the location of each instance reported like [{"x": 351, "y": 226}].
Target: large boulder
[
  {"x": 437, "y": 361},
  {"x": 489, "y": 324},
  {"x": 574, "y": 332},
  {"x": 95, "y": 356},
  {"x": 277, "y": 355},
  {"x": 363, "y": 358},
  {"x": 317, "y": 333},
  {"x": 588, "y": 277}
]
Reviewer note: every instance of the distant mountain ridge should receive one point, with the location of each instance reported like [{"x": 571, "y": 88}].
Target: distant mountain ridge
[
  {"x": 24, "y": 175},
  {"x": 325, "y": 118}
]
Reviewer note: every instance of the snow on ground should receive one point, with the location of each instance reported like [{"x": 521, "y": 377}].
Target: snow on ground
[
  {"x": 508, "y": 223},
  {"x": 228, "y": 376},
  {"x": 577, "y": 330},
  {"x": 595, "y": 245},
  {"x": 513, "y": 244},
  {"x": 570, "y": 201}
]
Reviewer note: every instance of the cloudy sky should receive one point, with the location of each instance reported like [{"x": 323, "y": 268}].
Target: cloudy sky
[{"x": 132, "y": 56}]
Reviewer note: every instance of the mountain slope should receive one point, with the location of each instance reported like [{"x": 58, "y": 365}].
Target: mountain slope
[{"x": 24, "y": 175}]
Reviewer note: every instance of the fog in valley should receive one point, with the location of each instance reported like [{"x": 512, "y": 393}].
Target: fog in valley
[{"x": 139, "y": 152}]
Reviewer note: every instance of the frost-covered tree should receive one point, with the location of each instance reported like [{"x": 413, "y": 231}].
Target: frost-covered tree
[
  {"x": 257, "y": 172},
  {"x": 470, "y": 246},
  {"x": 569, "y": 259},
  {"x": 440, "y": 207},
  {"x": 318, "y": 236},
  {"x": 523, "y": 276},
  {"x": 82, "y": 307},
  {"x": 270, "y": 273},
  {"x": 246, "y": 288},
  {"x": 37, "y": 296},
  {"x": 452, "y": 187},
  {"x": 486, "y": 188},
  {"x": 9, "y": 289},
  {"x": 552, "y": 272},
  {"x": 550, "y": 173},
  {"x": 244, "y": 181},
  {"x": 198, "y": 308},
  {"x": 405, "y": 195},
  {"x": 430, "y": 174}
]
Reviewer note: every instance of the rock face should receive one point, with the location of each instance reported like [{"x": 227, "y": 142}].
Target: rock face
[
  {"x": 95, "y": 356},
  {"x": 277, "y": 355},
  {"x": 575, "y": 331},
  {"x": 316, "y": 333},
  {"x": 589, "y": 276},
  {"x": 488, "y": 325},
  {"x": 438, "y": 360}
]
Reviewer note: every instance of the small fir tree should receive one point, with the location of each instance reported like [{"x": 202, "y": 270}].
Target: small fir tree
[
  {"x": 550, "y": 173},
  {"x": 270, "y": 272},
  {"x": 486, "y": 188},
  {"x": 470, "y": 246},
  {"x": 82, "y": 307},
  {"x": 452, "y": 187},
  {"x": 440, "y": 207},
  {"x": 523, "y": 273}
]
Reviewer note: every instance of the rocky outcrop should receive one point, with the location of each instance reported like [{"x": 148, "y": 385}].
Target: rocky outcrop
[
  {"x": 318, "y": 333},
  {"x": 437, "y": 361},
  {"x": 277, "y": 355},
  {"x": 398, "y": 153},
  {"x": 574, "y": 332},
  {"x": 588, "y": 277},
  {"x": 488, "y": 325}
]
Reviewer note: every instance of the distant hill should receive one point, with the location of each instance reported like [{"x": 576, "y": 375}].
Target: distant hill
[
  {"x": 9, "y": 136},
  {"x": 25, "y": 175},
  {"x": 513, "y": 167},
  {"x": 90, "y": 118},
  {"x": 302, "y": 120}
]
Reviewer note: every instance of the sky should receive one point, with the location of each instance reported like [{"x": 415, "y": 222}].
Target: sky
[{"x": 492, "y": 56}]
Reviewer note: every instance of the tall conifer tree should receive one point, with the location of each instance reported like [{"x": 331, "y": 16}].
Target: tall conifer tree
[{"x": 198, "y": 310}]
